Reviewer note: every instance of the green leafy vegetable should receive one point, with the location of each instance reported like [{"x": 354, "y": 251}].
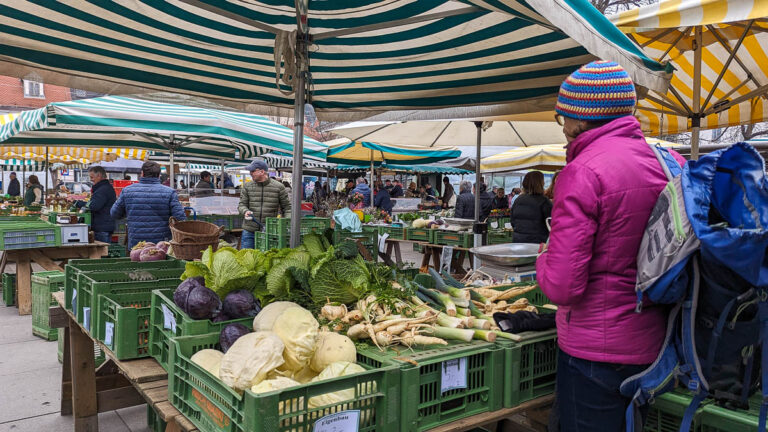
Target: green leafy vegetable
[
  {"x": 347, "y": 249},
  {"x": 227, "y": 269},
  {"x": 279, "y": 279},
  {"x": 315, "y": 244},
  {"x": 343, "y": 281}
]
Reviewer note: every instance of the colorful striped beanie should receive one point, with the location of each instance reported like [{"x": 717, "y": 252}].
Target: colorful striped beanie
[{"x": 601, "y": 90}]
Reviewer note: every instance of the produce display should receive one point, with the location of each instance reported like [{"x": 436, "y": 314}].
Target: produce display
[{"x": 148, "y": 251}]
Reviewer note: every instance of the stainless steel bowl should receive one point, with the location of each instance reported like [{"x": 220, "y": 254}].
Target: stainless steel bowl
[
  {"x": 508, "y": 254},
  {"x": 463, "y": 223}
]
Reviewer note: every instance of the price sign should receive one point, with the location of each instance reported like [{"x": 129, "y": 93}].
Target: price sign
[
  {"x": 494, "y": 224},
  {"x": 508, "y": 225},
  {"x": 345, "y": 421},
  {"x": 109, "y": 333},
  {"x": 87, "y": 318},
  {"x": 453, "y": 374},
  {"x": 169, "y": 320},
  {"x": 74, "y": 302}
]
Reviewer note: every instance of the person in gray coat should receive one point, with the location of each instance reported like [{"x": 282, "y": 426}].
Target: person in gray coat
[{"x": 260, "y": 199}]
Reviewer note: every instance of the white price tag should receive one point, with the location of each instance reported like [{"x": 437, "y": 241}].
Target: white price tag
[
  {"x": 494, "y": 224},
  {"x": 169, "y": 321},
  {"x": 431, "y": 217},
  {"x": 345, "y": 421},
  {"x": 109, "y": 333},
  {"x": 383, "y": 242},
  {"x": 508, "y": 225},
  {"x": 454, "y": 374},
  {"x": 74, "y": 302},
  {"x": 87, "y": 318}
]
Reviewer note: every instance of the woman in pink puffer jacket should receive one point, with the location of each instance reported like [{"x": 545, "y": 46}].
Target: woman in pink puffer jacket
[{"x": 603, "y": 199}]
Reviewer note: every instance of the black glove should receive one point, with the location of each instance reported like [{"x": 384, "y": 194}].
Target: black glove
[{"x": 522, "y": 321}]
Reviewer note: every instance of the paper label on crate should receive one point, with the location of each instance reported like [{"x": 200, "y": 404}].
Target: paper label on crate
[
  {"x": 383, "y": 242},
  {"x": 345, "y": 421},
  {"x": 431, "y": 217},
  {"x": 508, "y": 225},
  {"x": 169, "y": 321},
  {"x": 109, "y": 333},
  {"x": 453, "y": 374},
  {"x": 87, "y": 318},
  {"x": 74, "y": 302},
  {"x": 494, "y": 224}
]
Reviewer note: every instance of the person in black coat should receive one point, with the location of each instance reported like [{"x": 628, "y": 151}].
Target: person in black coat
[
  {"x": 397, "y": 190},
  {"x": 102, "y": 198},
  {"x": 486, "y": 202},
  {"x": 531, "y": 210},
  {"x": 448, "y": 192},
  {"x": 382, "y": 199},
  {"x": 500, "y": 201},
  {"x": 14, "y": 187},
  {"x": 465, "y": 202}
]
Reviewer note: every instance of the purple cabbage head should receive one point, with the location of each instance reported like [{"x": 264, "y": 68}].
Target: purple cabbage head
[
  {"x": 241, "y": 304},
  {"x": 230, "y": 333},
  {"x": 196, "y": 300}
]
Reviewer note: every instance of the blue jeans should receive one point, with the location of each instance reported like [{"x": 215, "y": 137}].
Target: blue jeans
[
  {"x": 587, "y": 394},
  {"x": 248, "y": 241},
  {"x": 102, "y": 236}
]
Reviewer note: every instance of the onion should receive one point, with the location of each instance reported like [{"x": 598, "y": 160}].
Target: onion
[
  {"x": 135, "y": 254},
  {"x": 151, "y": 254},
  {"x": 163, "y": 245}
]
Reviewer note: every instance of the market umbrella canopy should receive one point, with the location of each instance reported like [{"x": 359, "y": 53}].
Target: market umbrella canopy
[
  {"x": 456, "y": 132},
  {"x": 117, "y": 121},
  {"x": 364, "y": 153},
  {"x": 283, "y": 162},
  {"x": 70, "y": 155},
  {"x": 365, "y": 56},
  {"x": 545, "y": 158},
  {"x": 720, "y": 51}
]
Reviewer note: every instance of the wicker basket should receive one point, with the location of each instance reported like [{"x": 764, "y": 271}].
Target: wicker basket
[
  {"x": 191, "y": 251},
  {"x": 194, "y": 232}
]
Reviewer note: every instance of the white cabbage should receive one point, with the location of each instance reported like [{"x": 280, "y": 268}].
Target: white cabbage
[
  {"x": 335, "y": 370},
  {"x": 265, "y": 319},
  {"x": 332, "y": 347},
  {"x": 208, "y": 359},
  {"x": 298, "y": 329},
  {"x": 250, "y": 359}
]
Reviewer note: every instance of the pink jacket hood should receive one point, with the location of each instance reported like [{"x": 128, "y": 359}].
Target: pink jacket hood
[{"x": 603, "y": 199}]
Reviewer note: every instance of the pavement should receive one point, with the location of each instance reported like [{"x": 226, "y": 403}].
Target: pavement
[{"x": 30, "y": 383}]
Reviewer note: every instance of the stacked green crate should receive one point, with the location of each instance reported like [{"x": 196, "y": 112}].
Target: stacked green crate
[
  {"x": 44, "y": 284},
  {"x": 665, "y": 413},
  {"x": 98, "y": 354},
  {"x": 9, "y": 289},
  {"x": 715, "y": 418},
  {"x": 123, "y": 324},
  {"x": 29, "y": 234},
  {"x": 454, "y": 238}
]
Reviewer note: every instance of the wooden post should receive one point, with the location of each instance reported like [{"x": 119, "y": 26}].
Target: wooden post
[
  {"x": 23, "y": 282},
  {"x": 66, "y": 373},
  {"x": 84, "y": 402}
]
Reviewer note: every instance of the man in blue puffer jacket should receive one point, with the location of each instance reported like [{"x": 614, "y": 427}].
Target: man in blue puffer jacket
[{"x": 148, "y": 206}]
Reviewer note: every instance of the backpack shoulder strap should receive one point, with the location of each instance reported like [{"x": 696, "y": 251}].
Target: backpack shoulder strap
[{"x": 668, "y": 162}]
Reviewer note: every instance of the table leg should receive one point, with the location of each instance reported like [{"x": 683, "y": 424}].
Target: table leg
[
  {"x": 425, "y": 258},
  {"x": 3, "y": 262},
  {"x": 398, "y": 255},
  {"x": 66, "y": 376},
  {"x": 24, "y": 282},
  {"x": 84, "y": 402},
  {"x": 436, "y": 257}
]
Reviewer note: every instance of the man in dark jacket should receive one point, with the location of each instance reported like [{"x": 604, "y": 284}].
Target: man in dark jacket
[
  {"x": 260, "y": 199},
  {"x": 364, "y": 190},
  {"x": 465, "y": 202},
  {"x": 382, "y": 200},
  {"x": 14, "y": 187},
  {"x": 486, "y": 202},
  {"x": 102, "y": 199},
  {"x": 148, "y": 205},
  {"x": 204, "y": 187},
  {"x": 397, "y": 190}
]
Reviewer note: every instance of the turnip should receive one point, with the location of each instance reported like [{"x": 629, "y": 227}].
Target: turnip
[
  {"x": 136, "y": 250},
  {"x": 164, "y": 245},
  {"x": 151, "y": 254}
]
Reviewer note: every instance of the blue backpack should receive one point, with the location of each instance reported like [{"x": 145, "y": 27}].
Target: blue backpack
[{"x": 704, "y": 254}]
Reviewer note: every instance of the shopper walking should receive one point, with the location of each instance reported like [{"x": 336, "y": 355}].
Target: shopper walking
[
  {"x": 102, "y": 199},
  {"x": 465, "y": 203},
  {"x": 260, "y": 199},
  {"x": 382, "y": 199},
  {"x": 604, "y": 199},
  {"x": 486, "y": 202},
  {"x": 449, "y": 195},
  {"x": 530, "y": 211},
  {"x": 14, "y": 187},
  {"x": 148, "y": 206}
]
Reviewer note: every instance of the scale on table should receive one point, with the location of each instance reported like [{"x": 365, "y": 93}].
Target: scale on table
[{"x": 517, "y": 261}]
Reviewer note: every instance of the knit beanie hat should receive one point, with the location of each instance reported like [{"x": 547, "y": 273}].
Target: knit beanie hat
[{"x": 601, "y": 90}]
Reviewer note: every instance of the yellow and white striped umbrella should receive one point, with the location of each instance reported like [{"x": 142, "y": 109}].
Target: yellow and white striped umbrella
[
  {"x": 720, "y": 51},
  {"x": 545, "y": 157},
  {"x": 70, "y": 155}
]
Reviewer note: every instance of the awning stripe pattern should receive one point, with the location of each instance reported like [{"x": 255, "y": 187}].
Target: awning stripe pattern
[
  {"x": 402, "y": 54},
  {"x": 361, "y": 153},
  {"x": 127, "y": 122},
  {"x": 738, "y": 87}
]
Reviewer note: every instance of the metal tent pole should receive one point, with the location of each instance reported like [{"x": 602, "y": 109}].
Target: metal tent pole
[
  {"x": 298, "y": 132},
  {"x": 371, "y": 185},
  {"x": 478, "y": 237},
  {"x": 222, "y": 176},
  {"x": 45, "y": 187},
  {"x": 170, "y": 168},
  {"x": 696, "y": 120}
]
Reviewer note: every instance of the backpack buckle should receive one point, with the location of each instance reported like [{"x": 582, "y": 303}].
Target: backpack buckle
[
  {"x": 694, "y": 386},
  {"x": 639, "y": 306}
]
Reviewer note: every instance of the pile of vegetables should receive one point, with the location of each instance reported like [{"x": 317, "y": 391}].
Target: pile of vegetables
[
  {"x": 201, "y": 302},
  {"x": 286, "y": 348},
  {"x": 430, "y": 224},
  {"x": 148, "y": 251}
]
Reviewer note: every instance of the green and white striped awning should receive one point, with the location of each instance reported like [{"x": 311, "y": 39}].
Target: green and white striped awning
[
  {"x": 363, "y": 153},
  {"x": 30, "y": 165},
  {"x": 115, "y": 121},
  {"x": 281, "y": 162},
  {"x": 364, "y": 55}
]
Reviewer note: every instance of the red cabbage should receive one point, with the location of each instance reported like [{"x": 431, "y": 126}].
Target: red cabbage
[
  {"x": 230, "y": 333},
  {"x": 241, "y": 304}
]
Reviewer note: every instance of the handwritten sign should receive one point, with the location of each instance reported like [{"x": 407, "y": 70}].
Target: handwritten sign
[
  {"x": 169, "y": 320},
  {"x": 345, "y": 421},
  {"x": 87, "y": 318},
  {"x": 74, "y": 302},
  {"x": 109, "y": 333},
  {"x": 453, "y": 374}
]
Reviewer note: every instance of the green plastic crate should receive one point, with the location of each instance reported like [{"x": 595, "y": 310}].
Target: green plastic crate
[
  {"x": 530, "y": 367},
  {"x": 160, "y": 333},
  {"x": 44, "y": 284},
  {"x": 715, "y": 418},
  {"x": 9, "y": 289},
  {"x": 395, "y": 233},
  {"x": 121, "y": 227},
  {"x": 91, "y": 285},
  {"x": 423, "y": 404},
  {"x": 30, "y": 234},
  {"x": 212, "y": 406},
  {"x": 116, "y": 250},
  {"x": 155, "y": 423},
  {"x": 123, "y": 324},
  {"x": 499, "y": 237},
  {"x": 454, "y": 238},
  {"x": 368, "y": 237},
  {"x": 282, "y": 226},
  {"x": 418, "y": 247},
  {"x": 98, "y": 354},
  {"x": 260, "y": 241},
  {"x": 74, "y": 268},
  {"x": 665, "y": 413},
  {"x": 218, "y": 220},
  {"x": 421, "y": 234},
  {"x": 85, "y": 216}
]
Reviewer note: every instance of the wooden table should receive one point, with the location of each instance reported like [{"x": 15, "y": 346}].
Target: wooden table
[
  {"x": 116, "y": 384},
  {"x": 46, "y": 258},
  {"x": 86, "y": 391},
  {"x": 457, "y": 263}
]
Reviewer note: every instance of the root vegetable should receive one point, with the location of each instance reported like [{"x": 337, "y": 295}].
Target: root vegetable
[
  {"x": 414, "y": 340},
  {"x": 482, "y": 324},
  {"x": 484, "y": 335},
  {"x": 384, "y": 339},
  {"x": 449, "y": 333},
  {"x": 515, "y": 292},
  {"x": 352, "y": 316},
  {"x": 333, "y": 311}
]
